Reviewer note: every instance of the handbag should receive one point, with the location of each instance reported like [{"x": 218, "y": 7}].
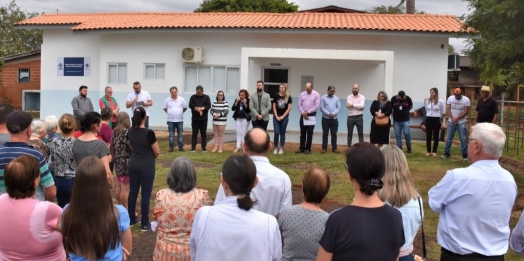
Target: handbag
[
  {"x": 423, "y": 237},
  {"x": 382, "y": 121}
]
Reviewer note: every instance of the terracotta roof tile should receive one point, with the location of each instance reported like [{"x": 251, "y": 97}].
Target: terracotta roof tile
[{"x": 347, "y": 21}]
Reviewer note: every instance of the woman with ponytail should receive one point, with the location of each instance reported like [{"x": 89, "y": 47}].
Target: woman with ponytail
[
  {"x": 141, "y": 166},
  {"x": 368, "y": 229},
  {"x": 255, "y": 235}
]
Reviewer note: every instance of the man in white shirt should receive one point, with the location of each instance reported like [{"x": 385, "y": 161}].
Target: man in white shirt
[
  {"x": 139, "y": 98},
  {"x": 457, "y": 107},
  {"x": 475, "y": 202},
  {"x": 175, "y": 106},
  {"x": 355, "y": 104},
  {"x": 273, "y": 191}
]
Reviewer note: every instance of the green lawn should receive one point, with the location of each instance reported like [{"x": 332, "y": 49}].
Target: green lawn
[{"x": 426, "y": 172}]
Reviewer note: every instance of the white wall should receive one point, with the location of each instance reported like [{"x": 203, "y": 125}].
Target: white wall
[{"x": 419, "y": 64}]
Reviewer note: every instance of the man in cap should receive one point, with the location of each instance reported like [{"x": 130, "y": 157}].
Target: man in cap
[
  {"x": 487, "y": 108},
  {"x": 457, "y": 107},
  {"x": 18, "y": 124},
  {"x": 402, "y": 104}
]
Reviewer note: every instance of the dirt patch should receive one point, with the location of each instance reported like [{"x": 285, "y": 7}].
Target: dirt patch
[{"x": 143, "y": 246}]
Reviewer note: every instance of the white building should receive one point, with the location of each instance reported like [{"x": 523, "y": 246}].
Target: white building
[{"x": 380, "y": 52}]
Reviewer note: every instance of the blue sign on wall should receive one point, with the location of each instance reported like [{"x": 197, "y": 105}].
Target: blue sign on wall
[{"x": 74, "y": 66}]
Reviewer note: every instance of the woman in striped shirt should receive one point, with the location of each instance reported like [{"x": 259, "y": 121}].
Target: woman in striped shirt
[{"x": 219, "y": 111}]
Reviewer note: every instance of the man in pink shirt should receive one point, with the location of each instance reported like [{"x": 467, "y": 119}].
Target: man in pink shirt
[
  {"x": 355, "y": 107},
  {"x": 308, "y": 103}
]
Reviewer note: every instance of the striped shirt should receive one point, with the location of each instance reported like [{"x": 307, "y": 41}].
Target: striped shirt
[
  {"x": 222, "y": 109},
  {"x": 12, "y": 150}
]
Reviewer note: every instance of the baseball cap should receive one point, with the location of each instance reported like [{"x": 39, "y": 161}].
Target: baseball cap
[
  {"x": 457, "y": 91},
  {"x": 485, "y": 88},
  {"x": 18, "y": 121}
]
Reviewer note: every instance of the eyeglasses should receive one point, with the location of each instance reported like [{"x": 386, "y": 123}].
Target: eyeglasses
[{"x": 471, "y": 139}]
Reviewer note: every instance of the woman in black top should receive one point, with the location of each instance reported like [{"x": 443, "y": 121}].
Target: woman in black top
[
  {"x": 242, "y": 116},
  {"x": 281, "y": 109},
  {"x": 380, "y": 108},
  {"x": 141, "y": 166},
  {"x": 368, "y": 229}
]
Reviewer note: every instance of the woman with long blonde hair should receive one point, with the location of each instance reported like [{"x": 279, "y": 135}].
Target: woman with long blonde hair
[
  {"x": 399, "y": 192},
  {"x": 434, "y": 111},
  {"x": 121, "y": 152},
  {"x": 282, "y": 104}
]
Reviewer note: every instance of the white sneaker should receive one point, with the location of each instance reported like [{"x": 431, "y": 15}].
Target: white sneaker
[
  {"x": 281, "y": 151},
  {"x": 275, "y": 151}
]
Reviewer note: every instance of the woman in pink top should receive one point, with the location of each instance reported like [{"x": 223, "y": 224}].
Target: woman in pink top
[{"x": 30, "y": 228}]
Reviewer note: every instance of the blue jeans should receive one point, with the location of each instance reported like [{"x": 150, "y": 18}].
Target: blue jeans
[
  {"x": 280, "y": 131},
  {"x": 409, "y": 257},
  {"x": 137, "y": 180},
  {"x": 147, "y": 122},
  {"x": 463, "y": 136},
  {"x": 179, "y": 128},
  {"x": 63, "y": 190},
  {"x": 402, "y": 126}
]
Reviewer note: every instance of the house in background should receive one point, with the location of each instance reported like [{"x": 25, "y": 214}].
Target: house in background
[
  {"x": 466, "y": 78},
  {"x": 20, "y": 84},
  {"x": 231, "y": 51},
  {"x": 331, "y": 9}
]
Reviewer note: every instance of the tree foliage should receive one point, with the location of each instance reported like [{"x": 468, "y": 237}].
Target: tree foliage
[
  {"x": 14, "y": 41},
  {"x": 497, "y": 50},
  {"x": 382, "y": 9},
  {"x": 268, "y": 6}
]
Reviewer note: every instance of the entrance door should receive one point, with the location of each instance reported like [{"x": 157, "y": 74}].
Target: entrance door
[{"x": 273, "y": 77}]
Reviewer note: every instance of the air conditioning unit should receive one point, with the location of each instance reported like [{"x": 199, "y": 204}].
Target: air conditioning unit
[{"x": 192, "y": 54}]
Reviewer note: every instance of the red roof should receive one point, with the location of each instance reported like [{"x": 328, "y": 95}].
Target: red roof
[{"x": 344, "y": 21}]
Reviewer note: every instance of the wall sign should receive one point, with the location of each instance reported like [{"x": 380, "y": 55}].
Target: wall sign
[{"x": 74, "y": 66}]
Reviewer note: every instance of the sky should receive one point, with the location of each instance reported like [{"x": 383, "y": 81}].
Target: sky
[{"x": 448, "y": 7}]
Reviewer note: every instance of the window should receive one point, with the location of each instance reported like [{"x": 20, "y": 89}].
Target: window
[
  {"x": 154, "y": 72},
  {"x": 117, "y": 73},
  {"x": 24, "y": 75},
  {"x": 212, "y": 78}
]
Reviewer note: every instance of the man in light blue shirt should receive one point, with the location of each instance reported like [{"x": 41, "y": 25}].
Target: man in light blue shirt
[
  {"x": 330, "y": 106},
  {"x": 475, "y": 202}
]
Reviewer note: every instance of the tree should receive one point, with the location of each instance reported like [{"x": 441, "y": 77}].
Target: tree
[
  {"x": 387, "y": 9},
  {"x": 382, "y": 9},
  {"x": 451, "y": 49},
  {"x": 496, "y": 46},
  {"x": 268, "y": 6},
  {"x": 410, "y": 6},
  {"x": 14, "y": 41}
]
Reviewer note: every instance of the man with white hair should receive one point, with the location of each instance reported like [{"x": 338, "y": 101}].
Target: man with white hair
[{"x": 475, "y": 202}]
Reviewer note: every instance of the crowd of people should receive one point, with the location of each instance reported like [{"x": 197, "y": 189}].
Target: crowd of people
[{"x": 252, "y": 216}]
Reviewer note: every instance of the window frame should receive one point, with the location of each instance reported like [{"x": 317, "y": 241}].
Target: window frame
[
  {"x": 117, "y": 71},
  {"x": 211, "y": 76},
  {"x": 28, "y": 76},
  {"x": 155, "y": 65}
]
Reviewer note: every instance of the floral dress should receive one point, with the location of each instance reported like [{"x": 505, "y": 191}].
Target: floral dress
[
  {"x": 40, "y": 146},
  {"x": 122, "y": 153},
  {"x": 175, "y": 213},
  {"x": 61, "y": 158}
]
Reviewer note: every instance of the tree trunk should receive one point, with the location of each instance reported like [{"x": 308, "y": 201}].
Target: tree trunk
[{"x": 410, "y": 6}]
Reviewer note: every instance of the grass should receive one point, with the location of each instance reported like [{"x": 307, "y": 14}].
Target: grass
[{"x": 426, "y": 172}]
